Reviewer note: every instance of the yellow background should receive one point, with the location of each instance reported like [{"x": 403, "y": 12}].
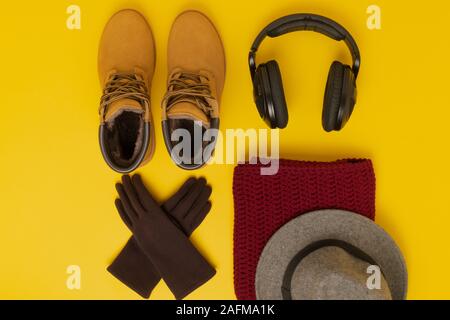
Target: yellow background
[{"x": 57, "y": 193}]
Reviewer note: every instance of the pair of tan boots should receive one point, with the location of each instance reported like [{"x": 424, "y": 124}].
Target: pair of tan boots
[{"x": 126, "y": 64}]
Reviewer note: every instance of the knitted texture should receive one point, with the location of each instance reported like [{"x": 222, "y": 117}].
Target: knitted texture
[{"x": 263, "y": 204}]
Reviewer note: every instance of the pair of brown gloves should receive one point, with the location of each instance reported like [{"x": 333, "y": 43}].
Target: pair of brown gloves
[{"x": 160, "y": 246}]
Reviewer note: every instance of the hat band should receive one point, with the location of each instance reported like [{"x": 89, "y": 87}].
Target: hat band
[{"x": 286, "y": 288}]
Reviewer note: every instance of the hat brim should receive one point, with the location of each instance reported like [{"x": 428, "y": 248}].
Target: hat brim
[{"x": 346, "y": 226}]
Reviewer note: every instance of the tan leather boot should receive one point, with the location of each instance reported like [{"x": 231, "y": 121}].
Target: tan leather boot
[
  {"x": 196, "y": 76},
  {"x": 126, "y": 63}
]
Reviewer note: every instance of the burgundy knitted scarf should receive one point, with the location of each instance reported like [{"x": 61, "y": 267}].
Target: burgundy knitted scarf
[{"x": 263, "y": 204}]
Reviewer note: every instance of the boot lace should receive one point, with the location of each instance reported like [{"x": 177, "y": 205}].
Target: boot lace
[
  {"x": 124, "y": 86},
  {"x": 189, "y": 87}
]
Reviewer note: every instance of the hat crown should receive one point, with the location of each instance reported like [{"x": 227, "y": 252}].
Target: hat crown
[{"x": 333, "y": 273}]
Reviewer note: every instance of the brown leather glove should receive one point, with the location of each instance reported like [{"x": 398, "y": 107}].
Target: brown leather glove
[
  {"x": 187, "y": 209},
  {"x": 177, "y": 261}
]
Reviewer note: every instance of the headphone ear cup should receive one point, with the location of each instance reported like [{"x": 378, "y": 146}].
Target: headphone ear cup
[
  {"x": 259, "y": 92},
  {"x": 277, "y": 92},
  {"x": 263, "y": 95},
  {"x": 333, "y": 97}
]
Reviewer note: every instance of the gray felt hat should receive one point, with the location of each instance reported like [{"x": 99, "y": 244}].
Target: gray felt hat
[{"x": 331, "y": 254}]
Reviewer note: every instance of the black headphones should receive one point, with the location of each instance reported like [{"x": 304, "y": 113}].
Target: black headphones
[{"x": 340, "y": 93}]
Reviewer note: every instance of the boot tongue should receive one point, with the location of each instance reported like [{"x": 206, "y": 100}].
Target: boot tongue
[
  {"x": 188, "y": 110},
  {"x": 116, "y": 108}
]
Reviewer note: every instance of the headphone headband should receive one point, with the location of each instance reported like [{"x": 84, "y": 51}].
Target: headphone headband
[{"x": 311, "y": 22}]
